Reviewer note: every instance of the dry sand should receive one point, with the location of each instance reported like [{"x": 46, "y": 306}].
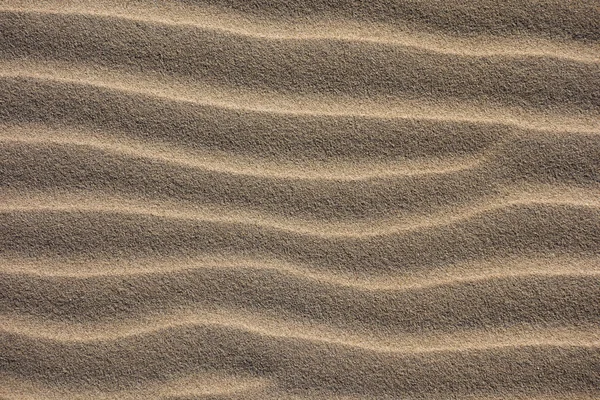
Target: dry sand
[{"x": 303, "y": 199}]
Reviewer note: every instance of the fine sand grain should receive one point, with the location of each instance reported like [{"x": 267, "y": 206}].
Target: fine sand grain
[{"x": 299, "y": 199}]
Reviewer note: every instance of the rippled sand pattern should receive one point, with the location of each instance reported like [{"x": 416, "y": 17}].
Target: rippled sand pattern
[{"x": 253, "y": 199}]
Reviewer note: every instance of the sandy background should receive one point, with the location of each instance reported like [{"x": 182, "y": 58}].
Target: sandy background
[{"x": 232, "y": 199}]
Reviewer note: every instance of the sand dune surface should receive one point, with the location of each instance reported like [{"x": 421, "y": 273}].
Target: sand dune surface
[{"x": 361, "y": 199}]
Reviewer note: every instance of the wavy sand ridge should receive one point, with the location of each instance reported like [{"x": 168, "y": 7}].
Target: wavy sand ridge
[{"x": 234, "y": 200}]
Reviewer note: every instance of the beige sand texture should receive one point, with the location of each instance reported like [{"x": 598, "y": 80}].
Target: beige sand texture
[{"x": 299, "y": 199}]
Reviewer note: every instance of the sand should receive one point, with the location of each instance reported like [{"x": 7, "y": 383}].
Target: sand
[{"x": 253, "y": 199}]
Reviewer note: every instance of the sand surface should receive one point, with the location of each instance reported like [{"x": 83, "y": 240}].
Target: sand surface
[{"x": 299, "y": 199}]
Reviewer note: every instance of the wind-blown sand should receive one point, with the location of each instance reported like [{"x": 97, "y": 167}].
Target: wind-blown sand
[{"x": 232, "y": 199}]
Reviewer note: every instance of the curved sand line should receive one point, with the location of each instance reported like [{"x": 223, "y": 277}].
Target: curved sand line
[
  {"x": 461, "y": 273},
  {"x": 250, "y": 167},
  {"x": 196, "y": 386},
  {"x": 203, "y": 389},
  {"x": 256, "y": 324},
  {"x": 174, "y": 91},
  {"x": 565, "y": 196},
  {"x": 360, "y": 170},
  {"x": 514, "y": 230},
  {"x": 512, "y": 298},
  {"x": 170, "y": 211},
  {"x": 527, "y": 166},
  {"x": 444, "y": 44},
  {"x": 371, "y": 71},
  {"x": 286, "y": 371}
]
